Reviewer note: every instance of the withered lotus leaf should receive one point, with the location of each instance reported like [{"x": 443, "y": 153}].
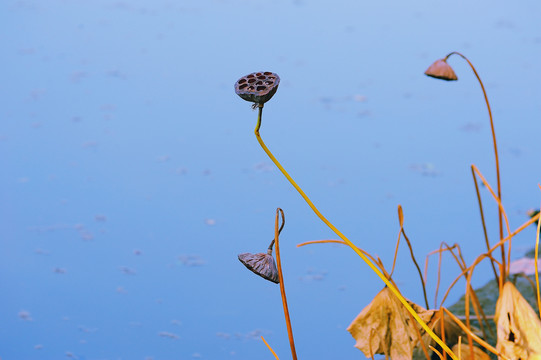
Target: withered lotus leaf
[
  {"x": 262, "y": 265},
  {"x": 518, "y": 326},
  {"x": 385, "y": 327},
  {"x": 441, "y": 70}
]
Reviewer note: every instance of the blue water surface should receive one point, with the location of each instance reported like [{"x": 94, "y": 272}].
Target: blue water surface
[{"x": 131, "y": 178}]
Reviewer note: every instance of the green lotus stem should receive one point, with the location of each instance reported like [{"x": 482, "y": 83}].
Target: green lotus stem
[{"x": 348, "y": 242}]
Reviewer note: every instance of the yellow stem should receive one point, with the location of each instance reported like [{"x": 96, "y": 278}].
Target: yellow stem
[
  {"x": 348, "y": 242},
  {"x": 272, "y": 351}
]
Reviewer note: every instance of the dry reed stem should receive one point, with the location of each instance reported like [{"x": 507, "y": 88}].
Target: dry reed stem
[
  {"x": 423, "y": 346},
  {"x": 442, "y": 330},
  {"x": 480, "y": 314},
  {"x": 477, "y": 339},
  {"x": 401, "y": 220},
  {"x": 272, "y": 351},
  {"x": 483, "y": 222},
  {"x": 536, "y": 259},
  {"x": 282, "y": 286},
  {"x": 439, "y": 278},
  {"x": 502, "y": 211},
  {"x": 392, "y": 287},
  {"x": 494, "y": 247},
  {"x": 396, "y": 250},
  {"x": 436, "y": 351},
  {"x": 467, "y": 313},
  {"x": 434, "y": 252}
]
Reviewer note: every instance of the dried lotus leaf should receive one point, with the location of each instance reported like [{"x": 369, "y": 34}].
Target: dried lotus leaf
[
  {"x": 518, "y": 326},
  {"x": 385, "y": 327},
  {"x": 441, "y": 70},
  {"x": 261, "y": 264}
]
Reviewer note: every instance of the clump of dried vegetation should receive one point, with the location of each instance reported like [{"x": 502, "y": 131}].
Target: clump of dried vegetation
[{"x": 391, "y": 324}]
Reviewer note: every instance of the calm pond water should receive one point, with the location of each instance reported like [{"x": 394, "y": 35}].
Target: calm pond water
[{"x": 131, "y": 177}]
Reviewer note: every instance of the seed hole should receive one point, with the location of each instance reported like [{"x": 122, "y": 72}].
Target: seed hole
[
  {"x": 267, "y": 73},
  {"x": 262, "y": 77},
  {"x": 258, "y": 74},
  {"x": 259, "y": 83},
  {"x": 269, "y": 82},
  {"x": 250, "y": 88},
  {"x": 272, "y": 77},
  {"x": 261, "y": 87},
  {"x": 243, "y": 86},
  {"x": 242, "y": 81},
  {"x": 250, "y": 76},
  {"x": 251, "y": 81}
]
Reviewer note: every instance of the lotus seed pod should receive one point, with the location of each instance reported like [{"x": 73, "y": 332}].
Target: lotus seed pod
[
  {"x": 258, "y": 87},
  {"x": 441, "y": 70},
  {"x": 261, "y": 264}
]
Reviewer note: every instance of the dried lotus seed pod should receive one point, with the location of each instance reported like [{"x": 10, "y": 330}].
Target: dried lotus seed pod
[
  {"x": 441, "y": 70},
  {"x": 257, "y": 87},
  {"x": 261, "y": 264}
]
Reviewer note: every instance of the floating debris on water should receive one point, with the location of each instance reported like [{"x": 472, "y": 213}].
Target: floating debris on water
[
  {"x": 425, "y": 169},
  {"x": 25, "y": 315},
  {"x": 168, "y": 335},
  {"x": 100, "y": 218},
  {"x": 191, "y": 260},
  {"x": 210, "y": 222},
  {"x": 126, "y": 270}
]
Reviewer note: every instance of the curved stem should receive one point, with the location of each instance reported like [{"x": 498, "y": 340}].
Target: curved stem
[
  {"x": 489, "y": 252},
  {"x": 418, "y": 268},
  {"x": 348, "y": 242},
  {"x": 282, "y": 287},
  {"x": 462, "y": 264},
  {"x": 502, "y": 267},
  {"x": 279, "y": 231},
  {"x": 468, "y": 331}
]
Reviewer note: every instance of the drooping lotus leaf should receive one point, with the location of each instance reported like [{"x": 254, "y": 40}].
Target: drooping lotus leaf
[
  {"x": 385, "y": 327},
  {"x": 518, "y": 326},
  {"x": 262, "y": 265}
]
